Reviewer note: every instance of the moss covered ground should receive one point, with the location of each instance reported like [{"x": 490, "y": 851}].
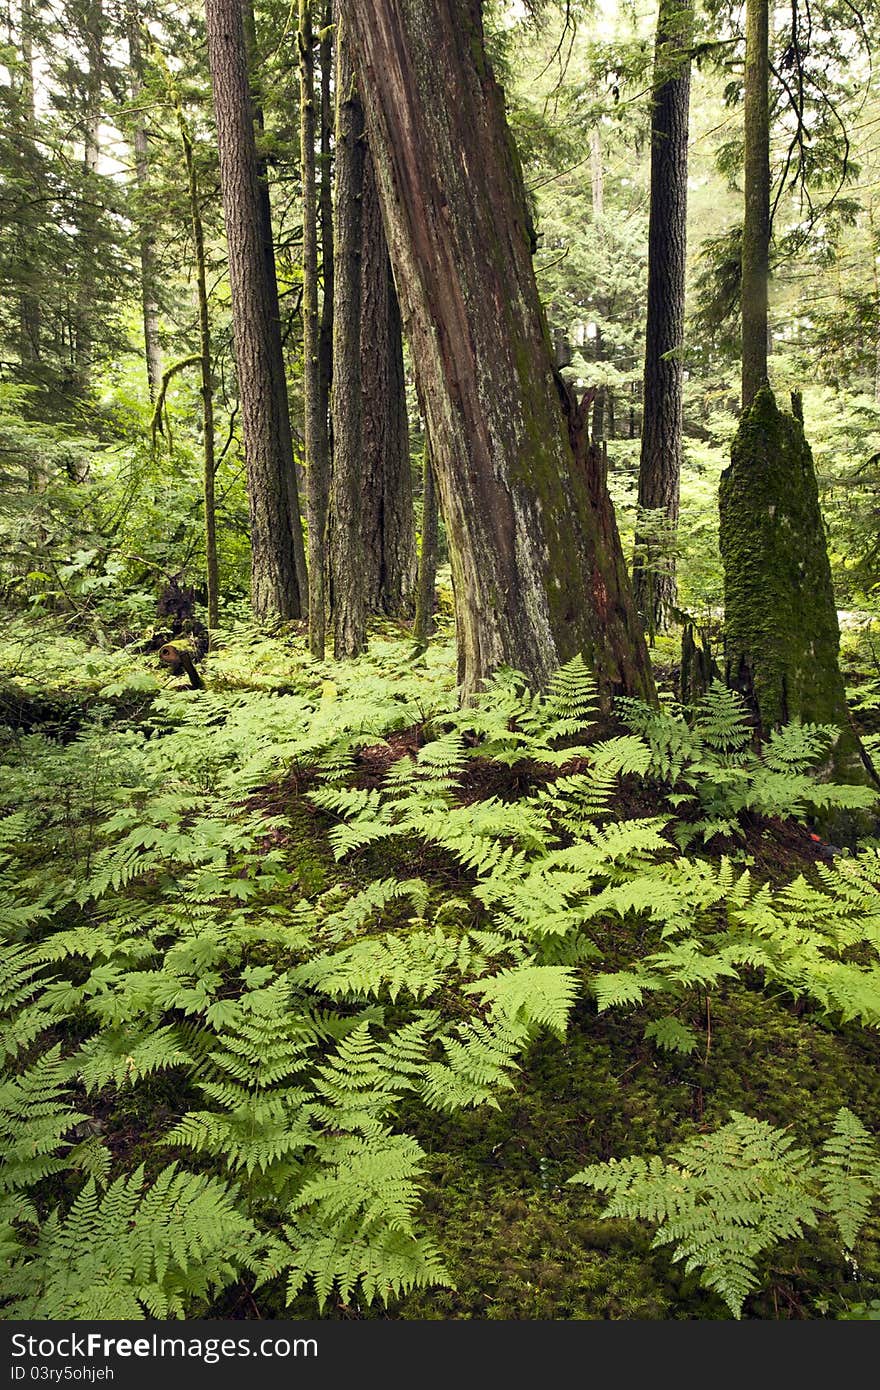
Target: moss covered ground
[{"x": 519, "y": 1242}]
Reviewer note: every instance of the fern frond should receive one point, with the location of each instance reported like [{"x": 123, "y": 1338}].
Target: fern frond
[
  {"x": 849, "y": 1171},
  {"x": 35, "y": 1117},
  {"x": 726, "y": 1198},
  {"x": 134, "y": 1251}
]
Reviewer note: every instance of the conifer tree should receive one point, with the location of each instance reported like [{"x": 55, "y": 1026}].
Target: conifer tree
[
  {"x": 537, "y": 563},
  {"x": 661, "y": 451},
  {"x": 272, "y": 493},
  {"x": 346, "y": 539}
]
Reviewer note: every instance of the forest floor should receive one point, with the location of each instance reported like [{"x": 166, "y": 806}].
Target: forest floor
[
  {"x": 519, "y": 1242},
  {"x": 97, "y": 742}
]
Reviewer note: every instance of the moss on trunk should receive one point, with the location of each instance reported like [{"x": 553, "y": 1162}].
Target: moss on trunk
[
  {"x": 537, "y": 565},
  {"x": 781, "y": 630}
]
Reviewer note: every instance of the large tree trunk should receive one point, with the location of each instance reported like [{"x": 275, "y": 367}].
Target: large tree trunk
[
  {"x": 660, "y": 465},
  {"x": 275, "y": 589},
  {"x": 781, "y": 635},
  {"x": 317, "y": 445},
  {"x": 756, "y": 225},
  {"x": 537, "y": 563},
  {"x": 276, "y": 343},
  {"x": 388, "y": 526},
  {"x": 146, "y": 241},
  {"x": 345, "y": 536},
  {"x": 780, "y": 620}
]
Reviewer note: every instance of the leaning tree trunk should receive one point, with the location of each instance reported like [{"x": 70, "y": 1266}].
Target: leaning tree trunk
[
  {"x": 660, "y": 465},
  {"x": 275, "y": 589},
  {"x": 344, "y": 531},
  {"x": 537, "y": 565},
  {"x": 388, "y": 525},
  {"x": 756, "y": 224}
]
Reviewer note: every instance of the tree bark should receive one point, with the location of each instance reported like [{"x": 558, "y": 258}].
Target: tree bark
[
  {"x": 93, "y": 42},
  {"x": 537, "y": 565},
  {"x": 146, "y": 241},
  {"x": 316, "y": 449},
  {"x": 597, "y": 175},
  {"x": 29, "y": 302},
  {"x": 661, "y": 454},
  {"x": 756, "y": 224},
  {"x": 209, "y": 471},
  {"x": 276, "y": 343},
  {"x": 388, "y": 526},
  {"x": 346, "y": 480},
  {"x": 275, "y": 592},
  {"x": 781, "y": 634},
  {"x": 423, "y": 625}
]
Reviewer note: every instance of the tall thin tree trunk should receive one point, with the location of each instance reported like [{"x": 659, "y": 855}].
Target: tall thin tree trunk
[
  {"x": 660, "y": 465},
  {"x": 875, "y": 274},
  {"x": 209, "y": 472},
  {"x": 275, "y": 344},
  {"x": 597, "y": 423},
  {"x": 317, "y": 462},
  {"x": 146, "y": 241},
  {"x": 93, "y": 39},
  {"x": 597, "y": 174},
  {"x": 538, "y": 570},
  {"x": 271, "y": 482},
  {"x": 423, "y": 625},
  {"x": 326, "y": 46},
  {"x": 756, "y": 225},
  {"x": 345, "y": 536},
  {"x": 29, "y": 301},
  {"x": 325, "y": 222},
  {"x": 386, "y": 495},
  {"x": 205, "y": 353}
]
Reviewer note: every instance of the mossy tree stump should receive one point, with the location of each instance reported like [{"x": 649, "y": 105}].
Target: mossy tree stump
[{"x": 781, "y": 631}]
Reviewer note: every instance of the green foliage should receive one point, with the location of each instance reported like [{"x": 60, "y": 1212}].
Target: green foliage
[
  {"x": 182, "y": 921},
  {"x": 132, "y": 1252},
  {"x": 671, "y": 1035},
  {"x": 729, "y": 1197},
  {"x": 242, "y": 925},
  {"x": 514, "y": 725},
  {"x": 710, "y": 767},
  {"x": 35, "y": 1117}
]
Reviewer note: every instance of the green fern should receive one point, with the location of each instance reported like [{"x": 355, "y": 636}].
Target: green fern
[
  {"x": 671, "y": 1035},
  {"x": 710, "y": 765},
  {"x": 531, "y": 996},
  {"x": 728, "y": 1198},
  {"x": 134, "y": 1252},
  {"x": 849, "y": 1173},
  {"x": 35, "y": 1120}
]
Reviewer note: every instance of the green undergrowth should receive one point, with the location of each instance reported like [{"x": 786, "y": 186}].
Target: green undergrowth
[{"x": 318, "y": 990}]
